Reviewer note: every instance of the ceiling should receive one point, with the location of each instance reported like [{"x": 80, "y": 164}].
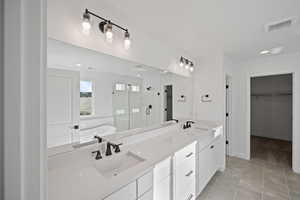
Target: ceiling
[
  {"x": 66, "y": 56},
  {"x": 197, "y": 26}
]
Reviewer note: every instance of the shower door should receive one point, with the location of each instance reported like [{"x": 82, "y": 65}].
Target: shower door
[{"x": 127, "y": 106}]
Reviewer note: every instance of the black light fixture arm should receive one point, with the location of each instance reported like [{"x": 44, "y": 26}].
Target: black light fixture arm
[{"x": 105, "y": 20}]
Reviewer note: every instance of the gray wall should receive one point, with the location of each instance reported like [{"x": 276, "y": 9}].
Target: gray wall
[
  {"x": 1, "y": 98},
  {"x": 271, "y": 106}
]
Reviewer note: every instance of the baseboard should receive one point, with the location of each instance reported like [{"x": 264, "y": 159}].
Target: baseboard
[{"x": 240, "y": 155}]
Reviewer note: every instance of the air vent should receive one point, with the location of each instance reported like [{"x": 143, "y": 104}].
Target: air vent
[{"x": 279, "y": 25}]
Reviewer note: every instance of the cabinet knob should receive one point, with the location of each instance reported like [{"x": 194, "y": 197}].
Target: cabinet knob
[{"x": 212, "y": 146}]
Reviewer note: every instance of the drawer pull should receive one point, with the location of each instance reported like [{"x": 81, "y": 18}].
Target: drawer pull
[
  {"x": 190, "y": 197},
  {"x": 190, "y": 173},
  {"x": 212, "y": 146},
  {"x": 189, "y": 155}
]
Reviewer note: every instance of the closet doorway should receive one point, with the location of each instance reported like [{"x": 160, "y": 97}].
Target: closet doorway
[{"x": 271, "y": 119}]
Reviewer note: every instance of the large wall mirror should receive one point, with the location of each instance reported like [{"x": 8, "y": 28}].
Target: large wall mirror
[{"x": 89, "y": 93}]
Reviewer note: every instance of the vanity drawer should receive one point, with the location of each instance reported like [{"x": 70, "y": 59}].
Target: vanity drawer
[
  {"x": 128, "y": 192},
  {"x": 185, "y": 154},
  {"x": 185, "y": 180},
  {"x": 145, "y": 183},
  {"x": 162, "y": 170},
  {"x": 147, "y": 196}
]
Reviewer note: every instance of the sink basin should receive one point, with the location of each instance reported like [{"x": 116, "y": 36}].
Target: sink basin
[{"x": 117, "y": 163}]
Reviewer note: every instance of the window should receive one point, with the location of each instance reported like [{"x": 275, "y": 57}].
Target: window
[
  {"x": 120, "y": 87},
  {"x": 135, "y": 88},
  {"x": 86, "y": 98}
]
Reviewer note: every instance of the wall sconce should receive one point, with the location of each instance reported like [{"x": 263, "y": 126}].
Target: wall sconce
[
  {"x": 105, "y": 26},
  {"x": 186, "y": 63}
]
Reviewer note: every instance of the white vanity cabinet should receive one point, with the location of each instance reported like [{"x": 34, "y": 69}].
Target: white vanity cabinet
[
  {"x": 162, "y": 180},
  {"x": 209, "y": 161},
  {"x": 184, "y": 177}
]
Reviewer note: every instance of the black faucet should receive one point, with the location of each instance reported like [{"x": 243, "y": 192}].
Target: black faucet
[
  {"x": 108, "y": 149},
  {"x": 98, "y": 154},
  {"x": 98, "y": 138},
  {"x": 188, "y": 124},
  {"x": 117, "y": 147}
]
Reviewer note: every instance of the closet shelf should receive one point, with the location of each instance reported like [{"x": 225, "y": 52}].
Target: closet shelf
[{"x": 272, "y": 94}]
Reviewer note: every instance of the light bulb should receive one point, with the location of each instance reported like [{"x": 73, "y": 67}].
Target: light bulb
[
  {"x": 86, "y": 23},
  {"x": 108, "y": 32},
  {"x": 181, "y": 63},
  {"x": 191, "y": 67},
  {"x": 127, "y": 41},
  {"x": 187, "y": 66}
]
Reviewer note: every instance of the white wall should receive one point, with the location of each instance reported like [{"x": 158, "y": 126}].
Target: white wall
[
  {"x": 269, "y": 65},
  {"x": 210, "y": 79},
  {"x": 271, "y": 107},
  {"x": 1, "y": 98}
]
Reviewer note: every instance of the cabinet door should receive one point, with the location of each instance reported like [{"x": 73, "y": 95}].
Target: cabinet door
[
  {"x": 207, "y": 166},
  {"x": 162, "y": 190}
]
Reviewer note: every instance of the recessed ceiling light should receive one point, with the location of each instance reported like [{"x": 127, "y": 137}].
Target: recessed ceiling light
[
  {"x": 264, "y": 52},
  {"x": 78, "y": 65},
  {"x": 276, "y": 50}
]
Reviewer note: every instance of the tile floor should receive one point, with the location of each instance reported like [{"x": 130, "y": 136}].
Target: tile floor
[{"x": 262, "y": 178}]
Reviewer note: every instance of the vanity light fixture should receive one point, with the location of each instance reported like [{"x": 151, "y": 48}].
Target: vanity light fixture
[
  {"x": 186, "y": 63},
  {"x": 105, "y": 26}
]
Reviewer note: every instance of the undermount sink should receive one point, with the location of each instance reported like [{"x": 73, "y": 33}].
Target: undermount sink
[{"x": 117, "y": 163}]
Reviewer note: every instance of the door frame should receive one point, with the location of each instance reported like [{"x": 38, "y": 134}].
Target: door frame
[
  {"x": 228, "y": 109},
  {"x": 248, "y": 112},
  {"x": 25, "y": 62}
]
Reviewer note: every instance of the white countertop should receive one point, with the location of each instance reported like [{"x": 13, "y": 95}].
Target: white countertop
[{"x": 72, "y": 176}]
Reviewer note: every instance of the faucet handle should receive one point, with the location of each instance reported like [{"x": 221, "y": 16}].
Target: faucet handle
[
  {"x": 117, "y": 147},
  {"x": 98, "y": 138},
  {"x": 98, "y": 154}
]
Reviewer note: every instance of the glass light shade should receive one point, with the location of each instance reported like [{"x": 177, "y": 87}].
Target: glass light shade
[
  {"x": 86, "y": 24},
  {"x": 127, "y": 41},
  {"x": 187, "y": 66},
  {"x": 181, "y": 63},
  {"x": 191, "y": 69},
  {"x": 108, "y": 33}
]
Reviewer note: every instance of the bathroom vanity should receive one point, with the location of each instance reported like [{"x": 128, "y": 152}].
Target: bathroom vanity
[
  {"x": 111, "y": 132},
  {"x": 174, "y": 164}
]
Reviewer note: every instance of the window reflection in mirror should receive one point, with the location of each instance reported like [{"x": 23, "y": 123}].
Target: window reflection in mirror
[{"x": 86, "y": 98}]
